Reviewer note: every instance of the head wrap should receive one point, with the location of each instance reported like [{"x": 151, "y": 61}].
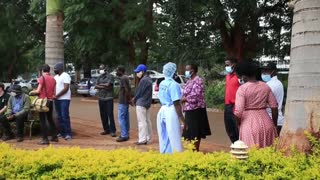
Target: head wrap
[{"x": 169, "y": 69}]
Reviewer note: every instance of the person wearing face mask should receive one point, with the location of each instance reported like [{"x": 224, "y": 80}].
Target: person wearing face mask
[
  {"x": 168, "y": 125},
  {"x": 123, "y": 105},
  {"x": 143, "y": 100},
  {"x": 232, "y": 85},
  {"x": 255, "y": 125},
  {"x": 62, "y": 101},
  {"x": 269, "y": 75},
  {"x": 17, "y": 110},
  {"x": 194, "y": 106},
  {"x": 104, "y": 86}
]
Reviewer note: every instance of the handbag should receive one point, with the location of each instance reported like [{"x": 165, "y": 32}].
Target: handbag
[{"x": 41, "y": 104}]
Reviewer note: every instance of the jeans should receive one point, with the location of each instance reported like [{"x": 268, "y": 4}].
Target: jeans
[
  {"x": 123, "y": 117},
  {"x": 45, "y": 120},
  {"x": 62, "y": 110},
  {"x": 230, "y": 123},
  {"x": 144, "y": 124},
  {"x": 106, "y": 115},
  {"x": 19, "y": 124}
]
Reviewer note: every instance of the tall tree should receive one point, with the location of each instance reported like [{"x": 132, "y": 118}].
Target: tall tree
[
  {"x": 303, "y": 100},
  {"x": 246, "y": 27},
  {"x": 54, "y": 46}
]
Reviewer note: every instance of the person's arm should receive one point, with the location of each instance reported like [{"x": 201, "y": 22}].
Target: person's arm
[
  {"x": 26, "y": 106},
  {"x": 63, "y": 91},
  {"x": 3, "y": 110},
  {"x": 275, "y": 112},
  {"x": 175, "y": 93},
  {"x": 9, "y": 107},
  {"x": 139, "y": 91},
  {"x": 127, "y": 89},
  {"x": 239, "y": 105},
  {"x": 272, "y": 101},
  {"x": 178, "y": 108}
]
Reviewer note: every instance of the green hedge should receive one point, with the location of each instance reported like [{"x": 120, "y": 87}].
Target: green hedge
[
  {"x": 76, "y": 163},
  {"x": 215, "y": 94}
]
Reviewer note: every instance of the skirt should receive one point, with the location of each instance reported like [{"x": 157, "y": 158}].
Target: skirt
[{"x": 197, "y": 124}]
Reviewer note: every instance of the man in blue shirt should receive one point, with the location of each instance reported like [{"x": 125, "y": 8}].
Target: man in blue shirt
[
  {"x": 170, "y": 113},
  {"x": 143, "y": 100}
]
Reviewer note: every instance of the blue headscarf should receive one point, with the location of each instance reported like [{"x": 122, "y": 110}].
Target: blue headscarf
[{"x": 169, "y": 69}]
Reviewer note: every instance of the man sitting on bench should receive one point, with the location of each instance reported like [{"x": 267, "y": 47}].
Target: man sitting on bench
[{"x": 18, "y": 109}]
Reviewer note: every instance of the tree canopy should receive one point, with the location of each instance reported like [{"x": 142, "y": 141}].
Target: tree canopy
[{"x": 151, "y": 32}]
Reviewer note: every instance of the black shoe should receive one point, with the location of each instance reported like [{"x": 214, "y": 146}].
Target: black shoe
[
  {"x": 44, "y": 142},
  {"x": 140, "y": 143},
  {"x": 54, "y": 139},
  {"x": 113, "y": 135},
  {"x": 104, "y": 133},
  {"x": 19, "y": 139},
  {"x": 122, "y": 139},
  {"x": 6, "y": 138}
]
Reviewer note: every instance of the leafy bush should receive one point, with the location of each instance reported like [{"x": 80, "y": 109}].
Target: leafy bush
[
  {"x": 215, "y": 94},
  {"x": 76, "y": 163}
]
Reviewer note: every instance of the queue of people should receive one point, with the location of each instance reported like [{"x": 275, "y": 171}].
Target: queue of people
[{"x": 252, "y": 108}]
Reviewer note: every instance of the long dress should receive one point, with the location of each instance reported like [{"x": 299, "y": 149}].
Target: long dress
[{"x": 256, "y": 126}]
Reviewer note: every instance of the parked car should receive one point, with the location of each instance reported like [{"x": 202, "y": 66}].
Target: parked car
[
  {"x": 85, "y": 85},
  {"x": 180, "y": 79},
  {"x": 153, "y": 73}
]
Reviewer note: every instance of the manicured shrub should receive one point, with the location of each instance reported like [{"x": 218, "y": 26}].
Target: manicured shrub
[{"x": 76, "y": 163}]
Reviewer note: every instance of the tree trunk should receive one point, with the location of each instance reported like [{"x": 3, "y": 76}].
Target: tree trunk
[
  {"x": 303, "y": 100},
  {"x": 54, "y": 47}
]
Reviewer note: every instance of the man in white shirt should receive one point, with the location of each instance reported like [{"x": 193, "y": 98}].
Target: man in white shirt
[
  {"x": 269, "y": 75},
  {"x": 62, "y": 101}
]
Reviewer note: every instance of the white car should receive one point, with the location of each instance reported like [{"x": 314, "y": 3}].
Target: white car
[
  {"x": 180, "y": 79},
  {"x": 153, "y": 73}
]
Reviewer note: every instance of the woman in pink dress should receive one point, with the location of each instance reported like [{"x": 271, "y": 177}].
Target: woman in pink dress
[{"x": 252, "y": 99}]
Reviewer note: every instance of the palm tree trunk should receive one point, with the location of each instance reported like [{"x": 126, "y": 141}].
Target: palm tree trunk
[
  {"x": 303, "y": 102},
  {"x": 54, "y": 47}
]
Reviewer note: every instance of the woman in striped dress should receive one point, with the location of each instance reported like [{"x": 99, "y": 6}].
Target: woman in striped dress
[{"x": 252, "y": 99}]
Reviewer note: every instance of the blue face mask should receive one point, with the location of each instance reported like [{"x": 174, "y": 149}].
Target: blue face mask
[
  {"x": 187, "y": 74},
  {"x": 266, "y": 77},
  {"x": 229, "y": 69}
]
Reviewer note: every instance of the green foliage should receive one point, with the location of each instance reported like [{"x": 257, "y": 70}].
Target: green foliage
[
  {"x": 215, "y": 94},
  {"x": 76, "y": 163}
]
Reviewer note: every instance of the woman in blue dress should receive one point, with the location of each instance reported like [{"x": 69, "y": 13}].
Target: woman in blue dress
[{"x": 170, "y": 114}]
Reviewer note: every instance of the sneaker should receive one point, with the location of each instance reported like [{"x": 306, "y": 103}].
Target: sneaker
[
  {"x": 104, "y": 133},
  {"x": 44, "y": 142},
  {"x": 67, "y": 137},
  {"x": 113, "y": 135},
  {"x": 122, "y": 139},
  {"x": 19, "y": 139},
  {"x": 59, "y": 135},
  {"x": 54, "y": 139},
  {"x": 141, "y": 143}
]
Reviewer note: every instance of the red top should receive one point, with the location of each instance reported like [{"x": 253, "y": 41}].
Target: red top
[
  {"x": 50, "y": 86},
  {"x": 232, "y": 85}
]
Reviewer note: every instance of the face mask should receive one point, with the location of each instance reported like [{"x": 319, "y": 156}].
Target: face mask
[
  {"x": 101, "y": 71},
  {"x": 241, "y": 81},
  {"x": 13, "y": 94},
  {"x": 266, "y": 77},
  {"x": 139, "y": 74},
  {"x": 187, "y": 74},
  {"x": 229, "y": 69}
]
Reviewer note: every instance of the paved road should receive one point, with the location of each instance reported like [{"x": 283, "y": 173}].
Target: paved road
[{"x": 86, "y": 126}]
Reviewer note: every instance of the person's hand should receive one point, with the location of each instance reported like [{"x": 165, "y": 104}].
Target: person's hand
[
  {"x": 183, "y": 124},
  {"x": 10, "y": 117},
  {"x": 183, "y": 100}
]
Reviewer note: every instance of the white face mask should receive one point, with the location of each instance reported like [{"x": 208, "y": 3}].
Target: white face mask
[
  {"x": 139, "y": 74},
  {"x": 241, "y": 81},
  {"x": 101, "y": 71},
  {"x": 13, "y": 94}
]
